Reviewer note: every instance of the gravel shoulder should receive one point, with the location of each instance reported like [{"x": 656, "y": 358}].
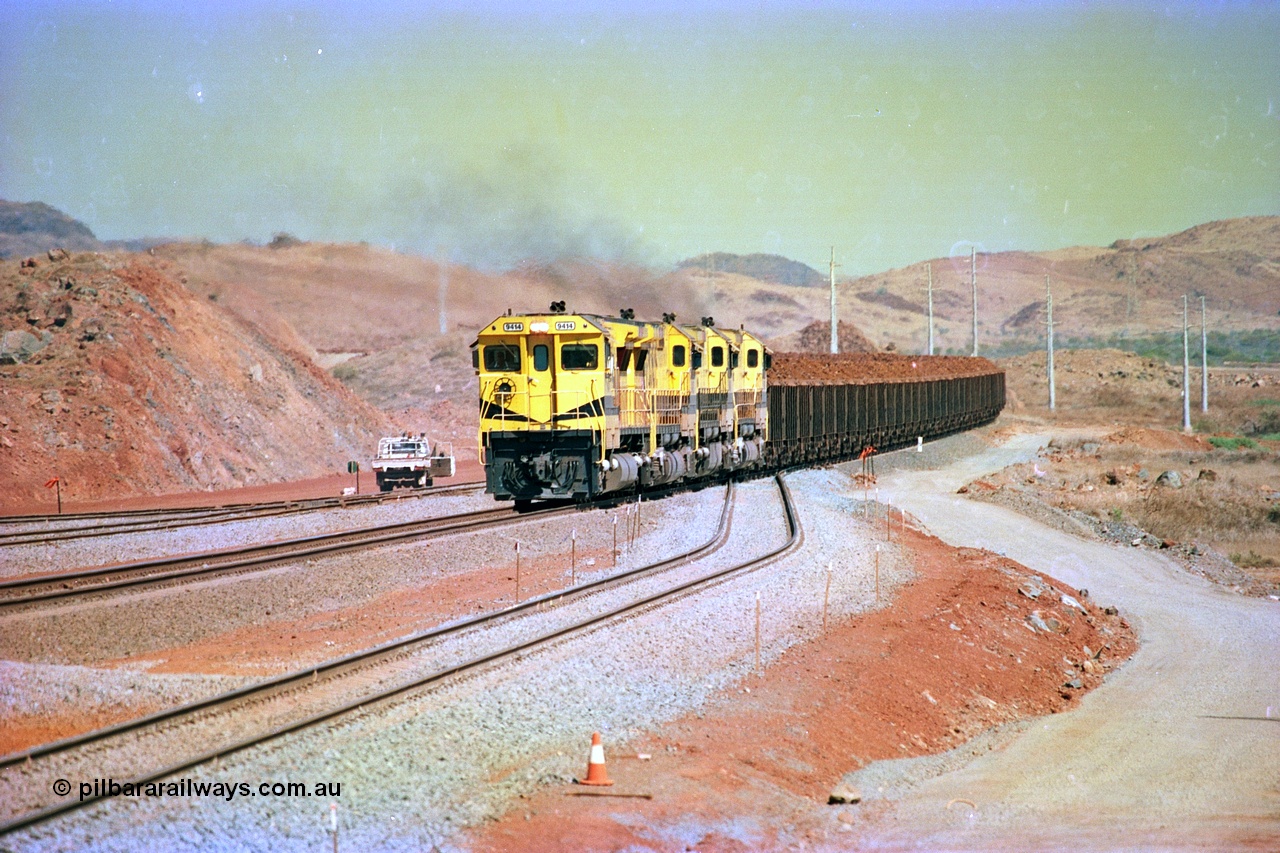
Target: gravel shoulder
[
  {"x": 463, "y": 754},
  {"x": 1180, "y": 749},
  {"x": 39, "y": 558}
]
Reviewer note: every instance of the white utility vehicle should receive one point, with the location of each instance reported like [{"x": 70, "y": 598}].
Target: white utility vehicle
[{"x": 410, "y": 460}]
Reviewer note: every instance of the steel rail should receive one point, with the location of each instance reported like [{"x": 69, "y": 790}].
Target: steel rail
[
  {"x": 148, "y": 521},
  {"x": 30, "y": 589},
  {"x": 349, "y": 664}
]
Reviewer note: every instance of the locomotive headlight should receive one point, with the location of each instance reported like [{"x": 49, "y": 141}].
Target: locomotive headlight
[{"x": 539, "y": 327}]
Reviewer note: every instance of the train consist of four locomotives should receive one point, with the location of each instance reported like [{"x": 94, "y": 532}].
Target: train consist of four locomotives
[{"x": 577, "y": 406}]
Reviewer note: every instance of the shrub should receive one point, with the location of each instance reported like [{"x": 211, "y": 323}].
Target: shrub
[
  {"x": 1232, "y": 442},
  {"x": 1252, "y": 560}
]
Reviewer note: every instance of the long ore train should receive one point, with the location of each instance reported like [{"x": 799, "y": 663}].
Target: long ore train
[{"x": 580, "y": 405}]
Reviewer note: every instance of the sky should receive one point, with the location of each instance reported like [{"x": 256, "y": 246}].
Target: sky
[{"x": 493, "y": 132}]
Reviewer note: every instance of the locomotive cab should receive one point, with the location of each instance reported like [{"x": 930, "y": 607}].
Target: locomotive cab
[
  {"x": 543, "y": 385},
  {"x": 751, "y": 410}
]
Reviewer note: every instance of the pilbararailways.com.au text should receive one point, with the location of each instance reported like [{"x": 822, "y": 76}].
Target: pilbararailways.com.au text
[{"x": 99, "y": 788}]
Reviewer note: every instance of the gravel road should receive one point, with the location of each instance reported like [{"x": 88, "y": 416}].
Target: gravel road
[{"x": 1180, "y": 749}]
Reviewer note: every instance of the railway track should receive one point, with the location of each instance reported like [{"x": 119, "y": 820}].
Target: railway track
[
  {"x": 201, "y": 732},
  {"x": 46, "y": 529},
  {"x": 34, "y": 589}
]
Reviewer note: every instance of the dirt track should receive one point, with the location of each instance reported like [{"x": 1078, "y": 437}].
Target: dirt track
[{"x": 1181, "y": 749}]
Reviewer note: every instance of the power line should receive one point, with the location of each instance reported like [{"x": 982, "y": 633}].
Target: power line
[
  {"x": 1048, "y": 304},
  {"x": 835, "y": 340}
]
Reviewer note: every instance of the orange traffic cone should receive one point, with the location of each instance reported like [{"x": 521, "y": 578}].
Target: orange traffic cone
[{"x": 596, "y": 773}]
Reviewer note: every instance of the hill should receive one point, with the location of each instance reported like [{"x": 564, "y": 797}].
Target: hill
[
  {"x": 354, "y": 299},
  {"x": 396, "y": 328},
  {"x": 117, "y": 379},
  {"x": 774, "y": 269},
  {"x": 33, "y": 228},
  {"x": 1127, "y": 291},
  {"x": 30, "y": 228}
]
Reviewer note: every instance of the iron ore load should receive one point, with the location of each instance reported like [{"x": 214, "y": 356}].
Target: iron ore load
[
  {"x": 829, "y": 408},
  {"x": 578, "y": 406}
]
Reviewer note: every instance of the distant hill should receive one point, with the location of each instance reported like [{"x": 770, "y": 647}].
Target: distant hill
[
  {"x": 1117, "y": 296},
  {"x": 771, "y": 268},
  {"x": 33, "y": 228}
]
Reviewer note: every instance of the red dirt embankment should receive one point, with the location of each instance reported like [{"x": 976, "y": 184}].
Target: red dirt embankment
[
  {"x": 958, "y": 650},
  {"x": 130, "y": 385}
]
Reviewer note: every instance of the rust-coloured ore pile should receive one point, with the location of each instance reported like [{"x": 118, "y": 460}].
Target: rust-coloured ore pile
[
  {"x": 816, "y": 337},
  {"x": 798, "y": 368}
]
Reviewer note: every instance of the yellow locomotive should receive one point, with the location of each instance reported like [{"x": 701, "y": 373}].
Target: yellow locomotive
[{"x": 580, "y": 405}]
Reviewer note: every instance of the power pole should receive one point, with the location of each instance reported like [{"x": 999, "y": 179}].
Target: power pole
[
  {"x": 1048, "y": 304},
  {"x": 973, "y": 280},
  {"x": 442, "y": 293},
  {"x": 1204, "y": 359},
  {"x": 929, "y": 267},
  {"x": 835, "y": 341},
  {"x": 1186, "y": 372}
]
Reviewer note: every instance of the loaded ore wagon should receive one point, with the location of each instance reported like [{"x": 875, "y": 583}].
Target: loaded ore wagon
[{"x": 828, "y": 408}]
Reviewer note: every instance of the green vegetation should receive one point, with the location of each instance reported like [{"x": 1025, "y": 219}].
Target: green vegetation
[
  {"x": 1260, "y": 346},
  {"x": 1232, "y": 442},
  {"x": 1252, "y": 560}
]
